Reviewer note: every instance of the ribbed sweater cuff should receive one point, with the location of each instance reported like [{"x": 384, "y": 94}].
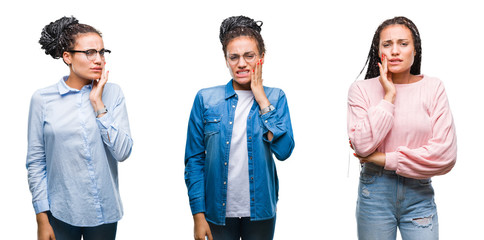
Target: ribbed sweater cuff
[
  {"x": 387, "y": 106},
  {"x": 391, "y": 161}
]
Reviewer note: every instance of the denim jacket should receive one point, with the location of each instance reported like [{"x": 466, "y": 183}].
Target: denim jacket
[{"x": 208, "y": 145}]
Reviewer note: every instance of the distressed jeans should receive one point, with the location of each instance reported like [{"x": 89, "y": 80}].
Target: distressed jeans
[{"x": 387, "y": 201}]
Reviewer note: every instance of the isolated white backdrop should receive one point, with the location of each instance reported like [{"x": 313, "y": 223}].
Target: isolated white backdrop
[{"x": 164, "y": 52}]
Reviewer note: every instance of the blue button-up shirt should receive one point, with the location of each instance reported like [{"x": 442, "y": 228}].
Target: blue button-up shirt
[
  {"x": 72, "y": 157},
  {"x": 208, "y": 146}
]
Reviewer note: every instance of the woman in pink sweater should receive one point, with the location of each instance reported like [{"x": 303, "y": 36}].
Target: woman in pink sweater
[{"x": 401, "y": 128}]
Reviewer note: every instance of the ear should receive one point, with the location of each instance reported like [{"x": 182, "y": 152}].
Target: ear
[
  {"x": 67, "y": 57},
  {"x": 262, "y": 57}
]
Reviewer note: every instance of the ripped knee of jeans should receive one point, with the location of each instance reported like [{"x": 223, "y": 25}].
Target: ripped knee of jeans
[{"x": 423, "y": 222}]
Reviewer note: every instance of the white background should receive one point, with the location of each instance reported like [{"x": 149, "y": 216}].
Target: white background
[{"x": 164, "y": 52}]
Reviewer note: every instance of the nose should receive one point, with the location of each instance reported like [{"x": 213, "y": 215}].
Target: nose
[
  {"x": 395, "y": 50},
  {"x": 98, "y": 58},
  {"x": 242, "y": 63}
]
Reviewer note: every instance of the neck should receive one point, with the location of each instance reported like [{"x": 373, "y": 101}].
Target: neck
[
  {"x": 76, "y": 82},
  {"x": 402, "y": 78},
  {"x": 237, "y": 86}
]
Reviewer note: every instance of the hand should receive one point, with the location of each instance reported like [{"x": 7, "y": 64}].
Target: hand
[
  {"x": 201, "y": 227},
  {"x": 257, "y": 87},
  {"x": 258, "y": 90},
  {"x": 97, "y": 91},
  {"x": 386, "y": 80},
  {"x": 377, "y": 158},
  {"x": 44, "y": 229}
]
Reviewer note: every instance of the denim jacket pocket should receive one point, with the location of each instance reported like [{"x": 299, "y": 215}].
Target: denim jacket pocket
[{"x": 211, "y": 124}]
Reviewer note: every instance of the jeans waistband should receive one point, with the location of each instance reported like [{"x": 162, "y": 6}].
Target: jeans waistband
[{"x": 372, "y": 168}]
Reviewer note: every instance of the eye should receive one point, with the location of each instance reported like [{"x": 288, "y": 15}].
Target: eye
[
  {"x": 91, "y": 52},
  {"x": 250, "y": 56},
  {"x": 233, "y": 57},
  {"x": 404, "y": 44},
  {"x": 386, "y": 45}
]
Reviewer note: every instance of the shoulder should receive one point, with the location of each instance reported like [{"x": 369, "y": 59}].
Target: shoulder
[
  {"x": 212, "y": 94},
  {"x": 366, "y": 84}
]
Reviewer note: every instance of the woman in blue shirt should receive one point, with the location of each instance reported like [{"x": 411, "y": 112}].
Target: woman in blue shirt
[
  {"x": 233, "y": 132},
  {"x": 78, "y": 132}
]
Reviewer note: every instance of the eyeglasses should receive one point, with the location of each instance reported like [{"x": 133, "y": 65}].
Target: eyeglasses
[
  {"x": 248, "y": 57},
  {"x": 91, "y": 54}
]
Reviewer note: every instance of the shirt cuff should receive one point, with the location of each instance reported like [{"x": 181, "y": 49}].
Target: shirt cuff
[
  {"x": 105, "y": 121},
  {"x": 269, "y": 121},
  {"x": 41, "y": 206},
  {"x": 391, "y": 161},
  {"x": 197, "y": 205}
]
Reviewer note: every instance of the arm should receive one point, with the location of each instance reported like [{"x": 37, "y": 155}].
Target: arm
[
  {"x": 114, "y": 127},
  {"x": 367, "y": 125},
  {"x": 195, "y": 158},
  {"x": 278, "y": 123},
  {"x": 277, "y": 128},
  {"x": 438, "y": 156},
  {"x": 37, "y": 167}
]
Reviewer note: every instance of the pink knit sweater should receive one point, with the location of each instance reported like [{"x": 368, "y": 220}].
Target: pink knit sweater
[{"x": 416, "y": 133}]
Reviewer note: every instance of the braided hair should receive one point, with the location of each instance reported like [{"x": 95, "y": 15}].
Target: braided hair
[
  {"x": 373, "y": 56},
  {"x": 60, "y": 36},
  {"x": 237, "y": 26}
]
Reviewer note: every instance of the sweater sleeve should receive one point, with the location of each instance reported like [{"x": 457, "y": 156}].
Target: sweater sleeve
[
  {"x": 367, "y": 125},
  {"x": 438, "y": 156}
]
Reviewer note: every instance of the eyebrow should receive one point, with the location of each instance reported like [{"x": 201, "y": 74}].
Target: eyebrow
[
  {"x": 398, "y": 40},
  {"x": 242, "y": 54}
]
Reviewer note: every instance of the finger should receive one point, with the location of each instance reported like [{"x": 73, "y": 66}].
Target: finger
[
  {"x": 385, "y": 64},
  {"x": 209, "y": 235}
]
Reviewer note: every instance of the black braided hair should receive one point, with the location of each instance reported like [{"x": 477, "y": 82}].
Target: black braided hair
[
  {"x": 237, "y": 26},
  {"x": 373, "y": 56},
  {"x": 60, "y": 36}
]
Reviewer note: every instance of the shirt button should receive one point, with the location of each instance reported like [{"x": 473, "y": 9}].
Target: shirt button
[
  {"x": 265, "y": 121},
  {"x": 230, "y": 123},
  {"x": 252, "y": 199},
  {"x": 223, "y": 204},
  {"x": 225, "y": 183},
  {"x": 251, "y": 178},
  {"x": 225, "y": 163},
  {"x": 250, "y": 158},
  {"x": 205, "y": 151},
  {"x": 250, "y": 138},
  {"x": 233, "y": 106},
  {"x": 227, "y": 142}
]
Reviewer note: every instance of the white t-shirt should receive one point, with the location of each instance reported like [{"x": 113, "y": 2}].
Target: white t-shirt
[{"x": 238, "y": 189}]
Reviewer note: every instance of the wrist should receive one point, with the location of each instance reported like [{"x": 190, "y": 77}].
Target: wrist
[{"x": 390, "y": 97}]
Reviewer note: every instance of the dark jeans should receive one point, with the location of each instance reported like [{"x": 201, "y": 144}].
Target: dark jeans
[
  {"x": 64, "y": 231},
  {"x": 236, "y": 228}
]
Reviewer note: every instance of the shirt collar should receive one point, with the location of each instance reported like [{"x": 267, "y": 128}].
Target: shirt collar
[
  {"x": 64, "y": 89},
  {"x": 229, "y": 90}
]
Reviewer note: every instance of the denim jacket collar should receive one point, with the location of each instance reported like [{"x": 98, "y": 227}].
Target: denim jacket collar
[{"x": 229, "y": 90}]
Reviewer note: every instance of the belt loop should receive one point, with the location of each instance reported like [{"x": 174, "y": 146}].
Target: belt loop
[{"x": 380, "y": 170}]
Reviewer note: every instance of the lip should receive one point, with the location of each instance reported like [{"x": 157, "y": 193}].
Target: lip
[
  {"x": 395, "y": 61},
  {"x": 97, "y": 69}
]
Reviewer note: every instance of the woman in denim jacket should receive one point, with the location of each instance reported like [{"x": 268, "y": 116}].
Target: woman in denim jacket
[
  {"x": 401, "y": 128},
  {"x": 233, "y": 132}
]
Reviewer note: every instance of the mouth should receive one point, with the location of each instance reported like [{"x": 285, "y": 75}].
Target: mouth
[
  {"x": 96, "y": 69},
  {"x": 242, "y": 73},
  {"x": 395, "y": 61}
]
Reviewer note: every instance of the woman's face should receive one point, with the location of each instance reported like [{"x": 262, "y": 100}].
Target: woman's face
[
  {"x": 241, "y": 57},
  {"x": 82, "y": 67},
  {"x": 396, "y": 44}
]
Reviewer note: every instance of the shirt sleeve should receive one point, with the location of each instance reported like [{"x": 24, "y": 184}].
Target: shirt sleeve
[
  {"x": 278, "y": 121},
  {"x": 367, "y": 125},
  {"x": 438, "y": 156},
  {"x": 114, "y": 128},
  {"x": 36, "y": 160},
  {"x": 195, "y": 158}
]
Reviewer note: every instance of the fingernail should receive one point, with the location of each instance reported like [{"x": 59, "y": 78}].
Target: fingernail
[
  {"x": 354, "y": 154},
  {"x": 253, "y": 70}
]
